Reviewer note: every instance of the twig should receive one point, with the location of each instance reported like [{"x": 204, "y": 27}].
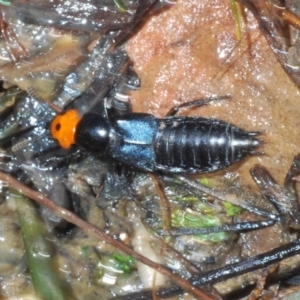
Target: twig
[{"x": 98, "y": 233}]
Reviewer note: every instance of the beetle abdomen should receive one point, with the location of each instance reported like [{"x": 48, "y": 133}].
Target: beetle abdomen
[{"x": 198, "y": 145}]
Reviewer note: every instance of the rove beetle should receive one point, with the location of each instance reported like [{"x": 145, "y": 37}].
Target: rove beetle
[{"x": 175, "y": 145}]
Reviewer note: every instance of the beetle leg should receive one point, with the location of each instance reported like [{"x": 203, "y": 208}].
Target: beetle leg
[{"x": 195, "y": 103}]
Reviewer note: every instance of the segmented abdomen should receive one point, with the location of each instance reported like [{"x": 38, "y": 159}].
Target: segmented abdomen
[{"x": 195, "y": 145}]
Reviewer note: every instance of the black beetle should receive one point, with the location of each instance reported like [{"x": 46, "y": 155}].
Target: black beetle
[{"x": 186, "y": 145}]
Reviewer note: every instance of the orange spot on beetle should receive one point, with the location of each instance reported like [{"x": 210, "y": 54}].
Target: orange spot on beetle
[{"x": 63, "y": 128}]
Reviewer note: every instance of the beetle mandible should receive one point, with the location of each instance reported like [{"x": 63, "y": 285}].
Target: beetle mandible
[{"x": 176, "y": 145}]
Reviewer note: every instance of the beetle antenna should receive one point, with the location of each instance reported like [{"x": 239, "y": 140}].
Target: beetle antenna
[{"x": 21, "y": 145}]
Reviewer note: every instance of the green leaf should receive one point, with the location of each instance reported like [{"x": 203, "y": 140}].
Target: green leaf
[{"x": 231, "y": 209}]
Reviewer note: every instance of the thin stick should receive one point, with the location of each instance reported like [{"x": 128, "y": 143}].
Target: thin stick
[
  {"x": 166, "y": 210},
  {"x": 98, "y": 233},
  {"x": 288, "y": 16}
]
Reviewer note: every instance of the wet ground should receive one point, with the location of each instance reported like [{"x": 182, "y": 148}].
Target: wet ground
[{"x": 191, "y": 51}]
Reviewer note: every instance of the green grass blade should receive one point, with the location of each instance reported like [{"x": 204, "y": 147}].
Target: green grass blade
[
  {"x": 4, "y": 2},
  {"x": 237, "y": 19},
  {"x": 39, "y": 252}
]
